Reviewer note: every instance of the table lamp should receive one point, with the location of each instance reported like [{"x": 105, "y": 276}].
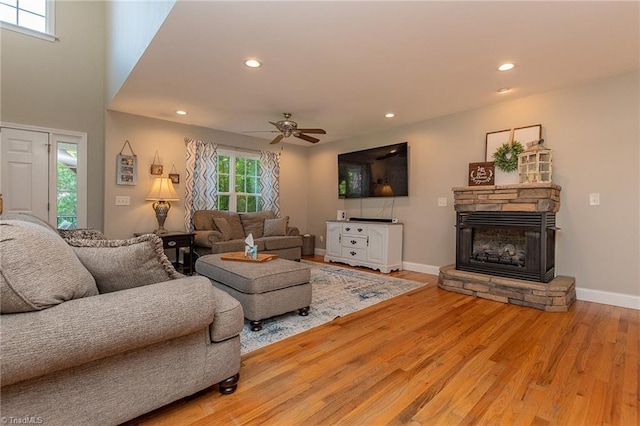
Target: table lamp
[{"x": 162, "y": 192}]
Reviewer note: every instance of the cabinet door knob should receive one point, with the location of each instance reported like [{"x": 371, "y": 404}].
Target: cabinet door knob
[
  {"x": 354, "y": 242},
  {"x": 171, "y": 243},
  {"x": 352, "y": 253}
]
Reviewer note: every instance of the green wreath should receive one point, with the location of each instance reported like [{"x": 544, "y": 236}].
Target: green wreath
[{"x": 506, "y": 157}]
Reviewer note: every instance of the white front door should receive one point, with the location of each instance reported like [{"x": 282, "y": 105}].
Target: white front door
[{"x": 25, "y": 172}]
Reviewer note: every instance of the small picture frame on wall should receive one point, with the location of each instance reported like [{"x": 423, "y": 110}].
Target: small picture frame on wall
[
  {"x": 156, "y": 167},
  {"x": 126, "y": 167},
  {"x": 173, "y": 175}
]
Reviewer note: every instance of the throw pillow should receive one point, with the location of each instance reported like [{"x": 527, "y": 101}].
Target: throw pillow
[
  {"x": 275, "y": 227},
  {"x": 83, "y": 234},
  {"x": 121, "y": 264},
  {"x": 253, "y": 223},
  {"x": 223, "y": 227},
  {"x": 38, "y": 269}
]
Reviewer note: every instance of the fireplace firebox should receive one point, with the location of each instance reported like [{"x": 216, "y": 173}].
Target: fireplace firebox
[{"x": 517, "y": 245}]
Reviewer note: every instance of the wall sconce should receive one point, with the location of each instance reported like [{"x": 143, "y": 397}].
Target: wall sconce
[{"x": 162, "y": 192}]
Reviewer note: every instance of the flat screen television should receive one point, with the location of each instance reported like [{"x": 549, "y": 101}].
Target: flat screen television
[{"x": 374, "y": 172}]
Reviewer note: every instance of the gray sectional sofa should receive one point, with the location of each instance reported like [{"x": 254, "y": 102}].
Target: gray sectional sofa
[
  {"x": 99, "y": 332},
  {"x": 222, "y": 232}
]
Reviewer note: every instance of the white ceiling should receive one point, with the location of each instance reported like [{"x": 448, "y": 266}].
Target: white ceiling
[{"x": 341, "y": 65}]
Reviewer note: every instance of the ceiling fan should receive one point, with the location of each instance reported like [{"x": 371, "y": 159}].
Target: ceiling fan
[{"x": 288, "y": 128}]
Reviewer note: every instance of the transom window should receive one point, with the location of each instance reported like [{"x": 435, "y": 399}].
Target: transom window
[
  {"x": 27, "y": 16},
  {"x": 239, "y": 182}
]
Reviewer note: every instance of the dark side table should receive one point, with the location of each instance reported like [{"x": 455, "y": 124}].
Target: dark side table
[{"x": 178, "y": 240}]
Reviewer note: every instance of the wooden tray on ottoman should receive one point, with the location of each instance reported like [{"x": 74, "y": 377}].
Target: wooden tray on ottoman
[{"x": 239, "y": 255}]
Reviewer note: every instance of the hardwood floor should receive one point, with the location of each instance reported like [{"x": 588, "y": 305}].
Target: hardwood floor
[{"x": 437, "y": 358}]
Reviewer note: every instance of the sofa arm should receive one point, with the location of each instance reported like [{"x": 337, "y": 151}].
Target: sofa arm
[
  {"x": 91, "y": 328},
  {"x": 207, "y": 238},
  {"x": 293, "y": 231}
]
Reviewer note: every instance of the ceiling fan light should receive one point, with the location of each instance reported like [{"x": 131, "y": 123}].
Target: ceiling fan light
[{"x": 253, "y": 63}]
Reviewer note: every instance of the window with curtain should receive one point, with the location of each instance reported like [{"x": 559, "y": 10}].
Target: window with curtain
[{"x": 239, "y": 187}]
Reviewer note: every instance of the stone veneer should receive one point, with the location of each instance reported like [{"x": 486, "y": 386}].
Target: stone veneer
[
  {"x": 523, "y": 197},
  {"x": 554, "y": 296}
]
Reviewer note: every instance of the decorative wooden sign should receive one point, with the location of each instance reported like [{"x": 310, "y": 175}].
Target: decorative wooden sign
[{"x": 481, "y": 174}]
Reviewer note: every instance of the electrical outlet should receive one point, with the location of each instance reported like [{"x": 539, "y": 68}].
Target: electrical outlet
[
  {"x": 594, "y": 199},
  {"x": 123, "y": 200},
  {"x": 442, "y": 202},
  {"x": 321, "y": 238}
]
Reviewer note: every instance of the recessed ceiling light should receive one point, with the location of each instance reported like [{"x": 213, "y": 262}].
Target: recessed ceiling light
[
  {"x": 253, "y": 63},
  {"x": 180, "y": 112},
  {"x": 389, "y": 115},
  {"x": 503, "y": 90},
  {"x": 506, "y": 67}
]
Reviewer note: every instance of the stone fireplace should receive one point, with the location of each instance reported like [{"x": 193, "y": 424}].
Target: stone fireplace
[{"x": 505, "y": 246}]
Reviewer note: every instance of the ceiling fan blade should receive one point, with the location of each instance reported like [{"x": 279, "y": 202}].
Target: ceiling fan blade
[
  {"x": 307, "y": 138},
  {"x": 312, "y": 131},
  {"x": 277, "y": 139}
]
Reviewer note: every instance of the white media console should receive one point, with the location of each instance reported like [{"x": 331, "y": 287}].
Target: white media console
[{"x": 371, "y": 244}]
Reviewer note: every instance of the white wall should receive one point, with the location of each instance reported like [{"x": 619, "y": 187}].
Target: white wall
[
  {"x": 593, "y": 132},
  {"x": 60, "y": 84},
  {"x": 130, "y": 25},
  {"x": 147, "y": 135}
]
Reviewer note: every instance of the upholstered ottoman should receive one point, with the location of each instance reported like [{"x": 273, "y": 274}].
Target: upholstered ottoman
[{"x": 264, "y": 289}]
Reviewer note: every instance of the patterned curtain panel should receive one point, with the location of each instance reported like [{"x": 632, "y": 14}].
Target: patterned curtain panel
[
  {"x": 270, "y": 181},
  {"x": 202, "y": 179}
]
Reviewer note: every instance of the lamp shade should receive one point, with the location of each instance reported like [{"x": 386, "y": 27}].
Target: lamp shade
[{"x": 162, "y": 190}]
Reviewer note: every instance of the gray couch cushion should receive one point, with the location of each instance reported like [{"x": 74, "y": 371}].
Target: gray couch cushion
[
  {"x": 121, "y": 264},
  {"x": 92, "y": 328},
  {"x": 38, "y": 269},
  {"x": 253, "y": 223},
  {"x": 234, "y": 245},
  {"x": 203, "y": 220},
  {"x": 223, "y": 227},
  {"x": 278, "y": 243},
  {"x": 276, "y": 227}
]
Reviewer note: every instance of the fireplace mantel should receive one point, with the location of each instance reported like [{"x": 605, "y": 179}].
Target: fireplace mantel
[{"x": 523, "y": 197}]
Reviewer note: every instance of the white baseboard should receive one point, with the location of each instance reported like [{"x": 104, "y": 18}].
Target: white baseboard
[
  {"x": 608, "y": 298},
  {"x": 419, "y": 267},
  {"x": 319, "y": 251}
]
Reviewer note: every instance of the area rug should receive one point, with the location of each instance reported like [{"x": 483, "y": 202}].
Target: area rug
[{"x": 336, "y": 292}]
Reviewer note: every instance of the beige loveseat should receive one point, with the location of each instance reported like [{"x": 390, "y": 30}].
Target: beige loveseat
[
  {"x": 98, "y": 332},
  {"x": 222, "y": 232}
]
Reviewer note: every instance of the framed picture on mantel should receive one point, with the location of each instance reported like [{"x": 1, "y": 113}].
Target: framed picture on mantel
[
  {"x": 481, "y": 174},
  {"x": 495, "y": 140}
]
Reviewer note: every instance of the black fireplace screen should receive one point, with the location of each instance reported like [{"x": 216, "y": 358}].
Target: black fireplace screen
[{"x": 510, "y": 244}]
